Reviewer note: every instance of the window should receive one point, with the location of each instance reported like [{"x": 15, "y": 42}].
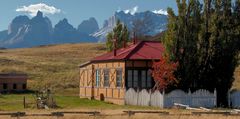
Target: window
[
  {"x": 97, "y": 78},
  {"x": 149, "y": 80},
  {"x": 143, "y": 78},
  {"x": 14, "y": 86},
  {"x": 135, "y": 78},
  {"x": 119, "y": 78},
  {"x": 129, "y": 79},
  {"x": 24, "y": 86},
  {"x": 5, "y": 86},
  {"x": 106, "y": 78}
]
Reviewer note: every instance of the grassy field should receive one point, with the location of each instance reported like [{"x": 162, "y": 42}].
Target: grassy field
[
  {"x": 55, "y": 67},
  {"x": 14, "y": 102}
]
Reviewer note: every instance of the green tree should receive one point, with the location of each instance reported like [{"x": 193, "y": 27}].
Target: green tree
[
  {"x": 205, "y": 42},
  {"x": 170, "y": 36},
  {"x": 181, "y": 40},
  {"x": 120, "y": 33},
  {"x": 236, "y": 26}
]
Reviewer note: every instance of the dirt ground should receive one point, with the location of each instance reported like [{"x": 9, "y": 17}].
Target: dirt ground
[{"x": 118, "y": 114}]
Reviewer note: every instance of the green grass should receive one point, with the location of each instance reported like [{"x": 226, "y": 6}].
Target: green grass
[{"x": 14, "y": 102}]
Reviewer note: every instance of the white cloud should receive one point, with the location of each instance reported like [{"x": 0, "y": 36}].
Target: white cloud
[
  {"x": 34, "y": 8},
  {"x": 160, "y": 11},
  {"x": 132, "y": 11}
]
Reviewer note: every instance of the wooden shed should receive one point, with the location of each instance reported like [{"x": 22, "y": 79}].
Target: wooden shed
[
  {"x": 108, "y": 76},
  {"x": 13, "y": 82}
]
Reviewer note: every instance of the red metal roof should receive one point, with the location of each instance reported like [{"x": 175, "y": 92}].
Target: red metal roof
[
  {"x": 144, "y": 50},
  {"x": 15, "y": 76}
]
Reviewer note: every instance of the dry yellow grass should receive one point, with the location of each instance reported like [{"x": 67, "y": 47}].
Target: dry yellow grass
[{"x": 53, "y": 66}]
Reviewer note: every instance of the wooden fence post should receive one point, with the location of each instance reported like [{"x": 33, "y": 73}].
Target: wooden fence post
[
  {"x": 189, "y": 98},
  {"x": 150, "y": 96},
  {"x": 52, "y": 105},
  {"x": 229, "y": 99},
  {"x": 137, "y": 95},
  {"x": 24, "y": 102},
  {"x": 163, "y": 99},
  {"x": 215, "y": 94}
]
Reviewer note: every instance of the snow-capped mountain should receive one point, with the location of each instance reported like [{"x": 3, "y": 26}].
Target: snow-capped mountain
[
  {"x": 25, "y": 32},
  {"x": 28, "y": 32},
  {"x": 159, "y": 22}
]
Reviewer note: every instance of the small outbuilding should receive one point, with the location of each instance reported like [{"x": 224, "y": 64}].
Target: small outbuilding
[
  {"x": 108, "y": 76},
  {"x": 13, "y": 82}
]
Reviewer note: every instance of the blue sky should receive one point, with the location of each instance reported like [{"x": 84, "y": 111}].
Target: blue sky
[{"x": 77, "y": 10}]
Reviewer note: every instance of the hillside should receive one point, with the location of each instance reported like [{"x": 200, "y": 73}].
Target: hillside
[{"x": 53, "y": 66}]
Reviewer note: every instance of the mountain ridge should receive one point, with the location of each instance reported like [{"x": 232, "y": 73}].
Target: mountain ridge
[
  {"x": 159, "y": 20},
  {"x": 25, "y": 32},
  {"x": 29, "y": 32}
]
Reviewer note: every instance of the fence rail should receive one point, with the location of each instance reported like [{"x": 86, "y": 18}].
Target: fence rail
[
  {"x": 56, "y": 114},
  {"x": 200, "y": 98}
]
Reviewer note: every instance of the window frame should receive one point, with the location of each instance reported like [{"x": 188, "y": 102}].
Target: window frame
[
  {"x": 97, "y": 78},
  {"x": 119, "y": 76},
  {"x": 106, "y": 83},
  {"x": 148, "y": 83},
  {"x": 128, "y": 80}
]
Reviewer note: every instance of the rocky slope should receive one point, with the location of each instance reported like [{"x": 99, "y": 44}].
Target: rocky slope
[
  {"x": 25, "y": 32},
  {"x": 159, "y": 22}
]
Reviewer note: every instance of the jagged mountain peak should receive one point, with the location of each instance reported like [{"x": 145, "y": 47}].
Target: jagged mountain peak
[
  {"x": 21, "y": 18},
  {"x": 66, "y": 33},
  {"x": 39, "y": 14},
  {"x": 158, "y": 20},
  {"x": 88, "y": 26},
  {"x": 16, "y": 23},
  {"x": 92, "y": 19},
  {"x": 64, "y": 25},
  {"x": 64, "y": 21}
]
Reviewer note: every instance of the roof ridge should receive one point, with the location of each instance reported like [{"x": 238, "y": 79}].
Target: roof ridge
[
  {"x": 140, "y": 50},
  {"x": 129, "y": 48},
  {"x": 134, "y": 49},
  {"x": 153, "y": 47}
]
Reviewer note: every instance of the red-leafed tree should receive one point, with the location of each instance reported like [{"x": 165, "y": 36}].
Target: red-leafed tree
[{"x": 163, "y": 73}]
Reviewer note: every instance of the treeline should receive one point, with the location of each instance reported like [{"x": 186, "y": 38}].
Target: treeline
[{"x": 205, "y": 39}]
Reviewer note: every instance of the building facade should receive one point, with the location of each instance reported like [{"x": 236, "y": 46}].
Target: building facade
[
  {"x": 107, "y": 77},
  {"x": 13, "y": 83}
]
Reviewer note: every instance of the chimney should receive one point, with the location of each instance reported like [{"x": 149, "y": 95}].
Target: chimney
[
  {"x": 124, "y": 44},
  {"x": 134, "y": 38},
  {"x": 114, "y": 47}
]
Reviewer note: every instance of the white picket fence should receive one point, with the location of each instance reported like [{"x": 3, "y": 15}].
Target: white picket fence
[
  {"x": 234, "y": 99},
  {"x": 200, "y": 98}
]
